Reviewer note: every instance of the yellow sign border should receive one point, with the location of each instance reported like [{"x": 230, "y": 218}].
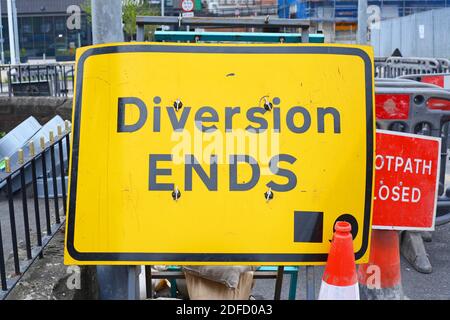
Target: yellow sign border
[{"x": 215, "y": 258}]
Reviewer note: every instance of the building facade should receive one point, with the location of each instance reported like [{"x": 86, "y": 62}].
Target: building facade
[
  {"x": 44, "y": 31},
  {"x": 226, "y": 8},
  {"x": 346, "y": 10},
  {"x": 338, "y": 18}
]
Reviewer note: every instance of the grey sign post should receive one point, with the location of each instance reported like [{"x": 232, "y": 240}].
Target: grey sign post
[
  {"x": 115, "y": 282},
  {"x": 362, "y": 22},
  {"x": 107, "y": 21}
]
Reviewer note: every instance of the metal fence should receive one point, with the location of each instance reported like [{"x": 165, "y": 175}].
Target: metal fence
[
  {"x": 30, "y": 159},
  {"x": 58, "y": 79},
  {"x": 54, "y": 79},
  {"x": 419, "y": 108},
  {"x": 393, "y": 67}
]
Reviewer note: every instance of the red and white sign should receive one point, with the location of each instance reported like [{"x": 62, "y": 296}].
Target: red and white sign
[
  {"x": 406, "y": 181},
  {"x": 187, "y": 5}
]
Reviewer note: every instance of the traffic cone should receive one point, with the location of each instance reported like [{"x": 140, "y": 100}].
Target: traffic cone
[
  {"x": 339, "y": 280},
  {"x": 380, "y": 279}
]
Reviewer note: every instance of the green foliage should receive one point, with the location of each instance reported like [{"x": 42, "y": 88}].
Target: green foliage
[
  {"x": 86, "y": 7},
  {"x": 2, "y": 134},
  {"x": 130, "y": 9}
]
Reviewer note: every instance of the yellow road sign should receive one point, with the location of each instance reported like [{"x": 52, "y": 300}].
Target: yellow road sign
[{"x": 219, "y": 154}]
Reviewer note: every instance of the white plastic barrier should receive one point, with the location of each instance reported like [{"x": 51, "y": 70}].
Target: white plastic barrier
[
  {"x": 51, "y": 125},
  {"x": 17, "y": 137}
]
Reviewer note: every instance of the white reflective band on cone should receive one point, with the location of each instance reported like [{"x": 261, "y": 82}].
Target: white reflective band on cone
[{"x": 330, "y": 292}]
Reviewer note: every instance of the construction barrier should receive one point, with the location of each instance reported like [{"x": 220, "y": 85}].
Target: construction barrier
[
  {"x": 423, "y": 108},
  {"x": 445, "y": 64},
  {"x": 413, "y": 107},
  {"x": 392, "y": 67},
  {"x": 407, "y": 105},
  {"x": 441, "y": 80}
]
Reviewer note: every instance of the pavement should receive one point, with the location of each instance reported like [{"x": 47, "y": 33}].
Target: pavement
[
  {"x": 47, "y": 277},
  {"x": 437, "y": 284}
]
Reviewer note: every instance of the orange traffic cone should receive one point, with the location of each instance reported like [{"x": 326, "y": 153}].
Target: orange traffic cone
[
  {"x": 339, "y": 280},
  {"x": 380, "y": 279}
]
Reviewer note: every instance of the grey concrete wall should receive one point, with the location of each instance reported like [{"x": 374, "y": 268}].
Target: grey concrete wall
[
  {"x": 425, "y": 34},
  {"x": 16, "y": 109}
]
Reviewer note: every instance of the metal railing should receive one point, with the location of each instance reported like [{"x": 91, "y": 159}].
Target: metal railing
[
  {"x": 219, "y": 22},
  {"x": 42, "y": 162},
  {"x": 56, "y": 79},
  {"x": 393, "y": 67}
]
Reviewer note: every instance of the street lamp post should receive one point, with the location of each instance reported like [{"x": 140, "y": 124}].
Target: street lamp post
[{"x": 115, "y": 282}]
